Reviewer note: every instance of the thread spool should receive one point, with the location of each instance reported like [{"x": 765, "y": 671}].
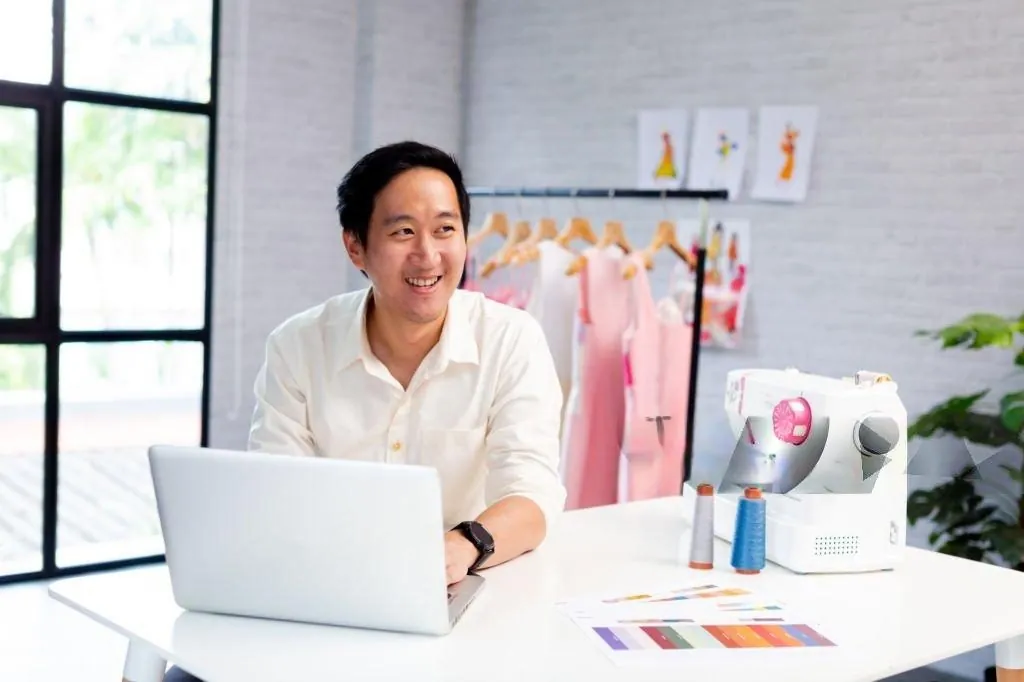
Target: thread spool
[
  {"x": 748, "y": 543},
  {"x": 702, "y": 536}
]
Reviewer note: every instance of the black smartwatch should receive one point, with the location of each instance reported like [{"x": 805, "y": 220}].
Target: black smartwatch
[{"x": 481, "y": 539}]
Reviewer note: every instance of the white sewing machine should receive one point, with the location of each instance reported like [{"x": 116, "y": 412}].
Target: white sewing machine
[{"x": 830, "y": 456}]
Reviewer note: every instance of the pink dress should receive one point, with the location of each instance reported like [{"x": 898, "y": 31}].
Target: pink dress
[
  {"x": 596, "y": 408},
  {"x": 656, "y": 361}
]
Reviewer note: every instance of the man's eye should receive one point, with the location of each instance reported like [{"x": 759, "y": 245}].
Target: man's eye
[{"x": 448, "y": 228}]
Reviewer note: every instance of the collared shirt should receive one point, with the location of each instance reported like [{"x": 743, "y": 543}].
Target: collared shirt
[{"x": 483, "y": 408}]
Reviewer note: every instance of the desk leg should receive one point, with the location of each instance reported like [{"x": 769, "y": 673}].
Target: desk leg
[
  {"x": 143, "y": 664},
  {"x": 1010, "y": 660}
]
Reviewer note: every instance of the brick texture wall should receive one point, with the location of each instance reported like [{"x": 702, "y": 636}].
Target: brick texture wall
[
  {"x": 302, "y": 95},
  {"x": 915, "y": 207}
]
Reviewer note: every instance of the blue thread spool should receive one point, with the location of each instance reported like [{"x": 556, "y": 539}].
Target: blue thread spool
[{"x": 748, "y": 543}]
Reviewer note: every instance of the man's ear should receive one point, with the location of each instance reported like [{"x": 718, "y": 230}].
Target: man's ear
[{"x": 355, "y": 250}]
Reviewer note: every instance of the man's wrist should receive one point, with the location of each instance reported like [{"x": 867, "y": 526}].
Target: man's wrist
[{"x": 468, "y": 553}]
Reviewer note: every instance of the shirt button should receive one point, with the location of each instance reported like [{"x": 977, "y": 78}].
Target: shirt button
[{"x": 396, "y": 446}]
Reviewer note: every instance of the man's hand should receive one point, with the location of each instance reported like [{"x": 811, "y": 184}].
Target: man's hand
[{"x": 459, "y": 555}]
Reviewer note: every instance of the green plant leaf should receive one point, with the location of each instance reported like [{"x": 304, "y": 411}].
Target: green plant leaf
[
  {"x": 920, "y": 505},
  {"x": 978, "y": 330},
  {"x": 1019, "y": 361},
  {"x": 1012, "y": 407},
  {"x": 956, "y": 418},
  {"x": 1005, "y": 540}
]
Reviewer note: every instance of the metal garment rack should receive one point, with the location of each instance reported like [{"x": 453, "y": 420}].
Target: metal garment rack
[{"x": 698, "y": 302}]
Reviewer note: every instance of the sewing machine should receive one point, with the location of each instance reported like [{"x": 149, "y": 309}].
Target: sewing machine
[{"x": 830, "y": 456}]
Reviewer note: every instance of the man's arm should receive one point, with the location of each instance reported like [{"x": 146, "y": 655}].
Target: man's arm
[
  {"x": 279, "y": 421},
  {"x": 524, "y": 491}
]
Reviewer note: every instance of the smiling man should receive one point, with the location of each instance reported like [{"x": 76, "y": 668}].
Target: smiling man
[{"x": 414, "y": 370}]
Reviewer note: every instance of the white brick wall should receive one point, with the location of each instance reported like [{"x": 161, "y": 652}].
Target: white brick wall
[
  {"x": 303, "y": 94},
  {"x": 285, "y": 136},
  {"x": 914, "y": 212}
]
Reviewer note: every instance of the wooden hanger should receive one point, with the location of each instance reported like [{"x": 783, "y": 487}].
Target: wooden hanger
[
  {"x": 664, "y": 235},
  {"x": 526, "y": 251},
  {"x": 519, "y": 232},
  {"x": 614, "y": 236},
  {"x": 494, "y": 223},
  {"x": 576, "y": 228}
]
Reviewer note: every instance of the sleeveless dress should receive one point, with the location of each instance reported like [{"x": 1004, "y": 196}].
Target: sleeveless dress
[
  {"x": 595, "y": 410},
  {"x": 656, "y": 366}
]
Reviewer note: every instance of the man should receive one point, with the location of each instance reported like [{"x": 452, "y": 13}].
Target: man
[{"x": 414, "y": 370}]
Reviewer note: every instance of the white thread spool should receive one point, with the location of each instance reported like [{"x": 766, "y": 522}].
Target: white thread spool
[{"x": 702, "y": 536}]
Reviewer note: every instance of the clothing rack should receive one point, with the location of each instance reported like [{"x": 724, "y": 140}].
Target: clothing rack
[{"x": 698, "y": 302}]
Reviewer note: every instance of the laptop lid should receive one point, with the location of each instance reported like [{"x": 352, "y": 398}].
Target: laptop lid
[{"x": 307, "y": 539}]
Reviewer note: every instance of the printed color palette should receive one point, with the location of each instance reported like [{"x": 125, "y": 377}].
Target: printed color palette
[
  {"x": 750, "y": 607},
  {"x": 727, "y": 592},
  {"x": 665, "y": 637}
]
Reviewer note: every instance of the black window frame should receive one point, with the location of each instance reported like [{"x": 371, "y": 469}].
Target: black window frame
[{"x": 44, "y": 328}]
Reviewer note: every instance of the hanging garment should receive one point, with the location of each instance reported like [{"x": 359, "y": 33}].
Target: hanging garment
[
  {"x": 656, "y": 367},
  {"x": 554, "y": 300},
  {"x": 594, "y": 418},
  {"x": 507, "y": 293}
]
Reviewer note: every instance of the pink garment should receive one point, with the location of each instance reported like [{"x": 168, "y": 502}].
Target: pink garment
[
  {"x": 506, "y": 294},
  {"x": 656, "y": 359},
  {"x": 593, "y": 441}
]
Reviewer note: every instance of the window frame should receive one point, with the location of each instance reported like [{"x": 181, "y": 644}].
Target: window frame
[{"x": 44, "y": 328}]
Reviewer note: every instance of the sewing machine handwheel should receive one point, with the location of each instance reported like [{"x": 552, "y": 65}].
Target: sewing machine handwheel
[{"x": 876, "y": 434}]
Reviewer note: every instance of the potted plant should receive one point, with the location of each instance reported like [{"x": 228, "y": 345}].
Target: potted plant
[{"x": 975, "y": 514}]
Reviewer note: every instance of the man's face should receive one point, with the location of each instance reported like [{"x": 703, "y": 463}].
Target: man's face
[{"x": 415, "y": 249}]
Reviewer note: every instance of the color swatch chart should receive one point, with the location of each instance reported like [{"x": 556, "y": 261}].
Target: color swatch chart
[
  {"x": 663, "y": 636},
  {"x": 691, "y": 622}
]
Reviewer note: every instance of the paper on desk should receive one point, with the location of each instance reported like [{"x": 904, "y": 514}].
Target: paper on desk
[{"x": 688, "y": 622}]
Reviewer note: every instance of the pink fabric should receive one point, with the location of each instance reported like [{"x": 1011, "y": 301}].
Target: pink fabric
[
  {"x": 509, "y": 295},
  {"x": 657, "y": 353},
  {"x": 594, "y": 441}
]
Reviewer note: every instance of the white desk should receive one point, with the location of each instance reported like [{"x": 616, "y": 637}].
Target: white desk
[{"x": 932, "y": 608}]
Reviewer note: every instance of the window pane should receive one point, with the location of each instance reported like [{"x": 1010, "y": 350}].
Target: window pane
[
  {"x": 133, "y": 248},
  {"x": 154, "y": 49},
  {"x": 17, "y": 211},
  {"x": 117, "y": 399},
  {"x": 22, "y": 369},
  {"x": 26, "y": 41}
]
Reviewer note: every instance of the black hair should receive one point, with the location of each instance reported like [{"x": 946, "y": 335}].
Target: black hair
[{"x": 370, "y": 174}]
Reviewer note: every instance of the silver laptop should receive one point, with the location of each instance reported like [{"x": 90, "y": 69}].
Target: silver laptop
[{"x": 307, "y": 539}]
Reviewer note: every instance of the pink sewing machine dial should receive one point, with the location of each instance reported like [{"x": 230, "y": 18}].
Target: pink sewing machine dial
[{"x": 791, "y": 420}]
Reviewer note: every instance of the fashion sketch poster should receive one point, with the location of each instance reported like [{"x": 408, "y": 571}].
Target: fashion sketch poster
[
  {"x": 785, "y": 146},
  {"x": 719, "y": 150},
  {"x": 662, "y": 146}
]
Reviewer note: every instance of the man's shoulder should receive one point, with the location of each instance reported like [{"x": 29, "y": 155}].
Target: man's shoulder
[
  {"x": 495, "y": 319},
  {"x": 336, "y": 311}
]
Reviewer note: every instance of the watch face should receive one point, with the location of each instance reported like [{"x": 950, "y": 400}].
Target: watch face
[{"x": 479, "y": 536}]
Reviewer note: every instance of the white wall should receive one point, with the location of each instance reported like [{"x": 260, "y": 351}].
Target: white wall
[
  {"x": 302, "y": 95},
  {"x": 913, "y": 217}
]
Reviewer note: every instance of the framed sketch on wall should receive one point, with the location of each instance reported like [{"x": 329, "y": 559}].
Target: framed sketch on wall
[
  {"x": 718, "y": 152},
  {"x": 661, "y": 143},
  {"x": 784, "y": 151}
]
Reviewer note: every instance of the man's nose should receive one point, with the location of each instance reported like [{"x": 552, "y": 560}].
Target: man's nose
[{"x": 426, "y": 249}]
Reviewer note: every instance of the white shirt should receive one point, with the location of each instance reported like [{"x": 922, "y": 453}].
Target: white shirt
[{"x": 483, "y": 408}]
